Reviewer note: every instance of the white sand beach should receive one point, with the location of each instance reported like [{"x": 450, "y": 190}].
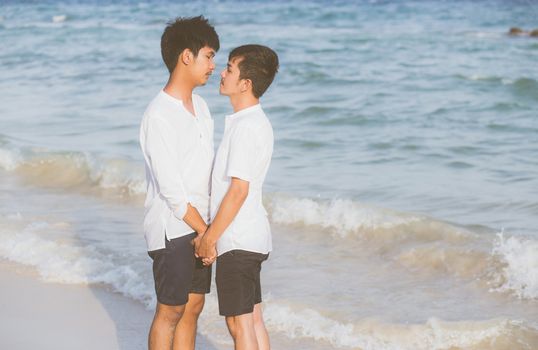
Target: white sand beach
[{"x": 40, "y": 315}]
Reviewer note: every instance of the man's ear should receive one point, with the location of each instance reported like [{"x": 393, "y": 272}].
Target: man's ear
[
  {"x": 246, "y": 85},
  {"x": 186, "y": 56}
]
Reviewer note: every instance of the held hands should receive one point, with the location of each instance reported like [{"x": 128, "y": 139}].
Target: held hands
[
  {"x": 196, "y": 243},
  {"x": 204, "y": 249}
]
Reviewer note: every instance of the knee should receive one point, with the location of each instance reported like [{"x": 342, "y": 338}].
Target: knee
[
  {"x": 170, "y": 314},
  {"x": 257, "y": 319},
  {"x": 242, "y": 325},
  {"x": 195, "y": 306}
]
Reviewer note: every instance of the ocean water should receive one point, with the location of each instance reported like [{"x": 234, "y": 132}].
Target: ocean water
[{"x": 403, "y": 192}]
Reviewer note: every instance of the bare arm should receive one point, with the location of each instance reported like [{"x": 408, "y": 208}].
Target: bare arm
[
  {"x": 231, "y": 203},
  {"x": 194, "y": 219}
]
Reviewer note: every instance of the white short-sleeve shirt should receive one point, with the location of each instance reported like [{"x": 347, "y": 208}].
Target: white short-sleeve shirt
[
  {"x": 178, "y": 154},
  {"x": 244, "y": 152}
]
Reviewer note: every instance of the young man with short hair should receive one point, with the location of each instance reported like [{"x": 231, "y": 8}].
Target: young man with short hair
[
  {"x": 176, "y": 137},
  {"x": 239, "y": 232}
]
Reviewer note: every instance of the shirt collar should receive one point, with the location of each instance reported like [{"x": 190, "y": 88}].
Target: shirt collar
[
  {"x": 256, "y": 107},
  {"x": 171, "y": 98}
]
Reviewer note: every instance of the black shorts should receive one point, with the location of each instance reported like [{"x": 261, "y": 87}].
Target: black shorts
[
  {"x": 177, "y": 272},
  {"x": 238, "y": 282}
]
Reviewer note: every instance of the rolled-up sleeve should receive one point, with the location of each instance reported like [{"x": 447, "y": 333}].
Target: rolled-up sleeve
[{"x": 165, "y": 165}]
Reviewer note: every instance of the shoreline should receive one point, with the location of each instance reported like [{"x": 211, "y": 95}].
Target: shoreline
[{"x": 38, "y": 314}]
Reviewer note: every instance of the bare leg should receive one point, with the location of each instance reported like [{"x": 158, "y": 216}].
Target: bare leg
[
  {"x": 259, "y": 327},
  {"x": 161, "y": 333},
  {"x": 242, "y": 330},
  {"x": 230, "y": 322},
  {"x": 185, "y": 334}
]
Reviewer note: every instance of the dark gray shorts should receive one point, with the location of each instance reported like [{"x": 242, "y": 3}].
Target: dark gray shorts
[
  {"x": 238, "y": 281},
  {"x": 177, "y": 272}
]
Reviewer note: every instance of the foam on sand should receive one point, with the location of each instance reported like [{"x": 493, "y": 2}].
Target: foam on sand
[
  {"x": 66, "y": 317},
  {"x": 415, "y": 241},
  {"x": 64, "y": 261},
  {"x": 367, "y": 334}
]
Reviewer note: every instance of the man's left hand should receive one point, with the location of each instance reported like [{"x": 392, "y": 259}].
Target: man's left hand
[{"x": 206, "y": 250}]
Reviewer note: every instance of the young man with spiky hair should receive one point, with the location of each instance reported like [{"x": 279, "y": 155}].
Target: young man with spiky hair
[
  {"x": 176, "y": 137},
  {"x": 239, "y": 233}
]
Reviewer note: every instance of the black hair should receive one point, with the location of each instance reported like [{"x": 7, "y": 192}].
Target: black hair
[
  {"x": 191, "y": 33},
  {"x": 258, "y": 63}
]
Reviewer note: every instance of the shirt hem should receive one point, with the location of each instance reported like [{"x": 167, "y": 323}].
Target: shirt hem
[
  {"x": 169, "y": 237},
  {"x": 261, "y": 251}
]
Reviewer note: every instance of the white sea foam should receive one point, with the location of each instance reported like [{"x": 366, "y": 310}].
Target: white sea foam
[
  {"x": 373, "y": 334},
  {"x": 477, "y": 77},
  {"x": 75, "y": 170},
  {"x": 118, "y": 173},
  {"x": 343, "y": 216},
  {"x": 308, "y": 323},
  {"x": 482, "y": 35},
  {"x": 59, "y": 18},
  {"x": 64, "y": 261},
  {"x": 519, "y": 271},
  {"x": 9, "y": 160},
  {"x": 481, "y": 77}
]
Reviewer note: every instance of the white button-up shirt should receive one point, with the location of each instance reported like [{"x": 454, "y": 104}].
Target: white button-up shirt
[
  {"x": 245, "y": 152},
  {"x": 178, "y": 154}
]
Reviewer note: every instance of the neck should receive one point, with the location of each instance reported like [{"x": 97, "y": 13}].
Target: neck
[
  {"x": 244, "y": 101},
  {"x": 179, "y": 86}
]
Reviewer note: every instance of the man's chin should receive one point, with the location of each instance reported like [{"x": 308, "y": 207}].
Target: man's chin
[{"x": 204, "y": 81}]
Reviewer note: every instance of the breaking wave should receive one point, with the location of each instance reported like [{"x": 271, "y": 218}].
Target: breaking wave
[{"x": 75, "y": 171}]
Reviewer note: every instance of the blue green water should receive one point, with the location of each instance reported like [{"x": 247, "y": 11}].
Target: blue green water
[
  {"x": 425, "y": 108},
  {"x": 416, "y": 106}
]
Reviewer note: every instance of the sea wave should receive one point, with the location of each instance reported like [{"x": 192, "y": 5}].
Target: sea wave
[
  {"x": 523, "y": 85},
  {"x": 63, "y": 260},
  {"x": 303, "y": 322},
  {"x": 348, "y": 218},
  {"x": 59, "y": 258},
  {"x": 59, "y": 18},
  {"x": 527, "y": 87},
  {"x": 480, "y": 77},
  {"x": 75, "y": 171},
  {"x": 412, "y": 240},
  {"x": 373, "y": 334},
  {"x": 343, "y": 216},
  {"x": 9, "y": 160},
  {"x": 58, "y": 22},
  {"x": 418, "y": 242},
  {"x": 517, "y": 272}
]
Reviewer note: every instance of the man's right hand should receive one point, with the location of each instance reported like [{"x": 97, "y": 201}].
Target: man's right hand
[{"x": 206, "y": 250}]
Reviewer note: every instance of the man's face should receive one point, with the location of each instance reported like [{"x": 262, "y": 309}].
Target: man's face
[
  {"x": 230, "y": 84},
  {"x": 203, "y": 65}
]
